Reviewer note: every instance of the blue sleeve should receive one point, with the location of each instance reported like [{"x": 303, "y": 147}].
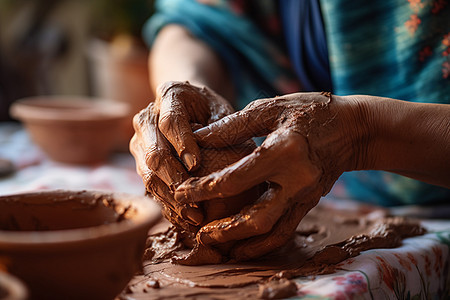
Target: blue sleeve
[
  {"x": 391, "y": 48},
  {"x": 258, "y": 66}
]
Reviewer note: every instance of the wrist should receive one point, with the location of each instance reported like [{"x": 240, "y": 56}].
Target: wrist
[
  {"x": 341, "y": 138},
  {"x": 357, "y": 123}
]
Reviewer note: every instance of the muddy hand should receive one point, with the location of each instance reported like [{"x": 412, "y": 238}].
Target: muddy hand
[
  {"x": 304, "y": 153},
  {"x": 164, "y": 146}
]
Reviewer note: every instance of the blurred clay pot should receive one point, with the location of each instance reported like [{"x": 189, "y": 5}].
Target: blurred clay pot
[
  {"x": 74, "y": 244},
  {"x": 12, "y": 288},
  {"x": 72, "y": 129},
  {"x": 119, "y": 71}
]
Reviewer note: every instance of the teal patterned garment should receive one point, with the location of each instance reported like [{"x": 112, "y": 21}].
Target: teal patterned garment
[
  {"x": 396, "y": 49},
  {"x": 391, "y": 48}
]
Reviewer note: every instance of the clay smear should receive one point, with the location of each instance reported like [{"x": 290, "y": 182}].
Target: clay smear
[{"x": 324, "y": 238}]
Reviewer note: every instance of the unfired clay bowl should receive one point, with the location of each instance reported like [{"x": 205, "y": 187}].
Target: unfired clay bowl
[
  {"x": 72, "y": 129},
  {"x": 74, "y": 245}
]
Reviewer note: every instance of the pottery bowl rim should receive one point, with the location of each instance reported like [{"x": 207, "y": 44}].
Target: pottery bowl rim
[
  {"x": 147, "y": 213},
  {"x": 68, "y": 108}
]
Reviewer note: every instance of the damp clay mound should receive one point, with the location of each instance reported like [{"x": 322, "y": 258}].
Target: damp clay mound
[
  {"x": 216, "y": 159},
  {"x": 324, "y": 238}
]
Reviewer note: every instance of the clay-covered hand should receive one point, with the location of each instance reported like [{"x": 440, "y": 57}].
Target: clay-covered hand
[
  {"x": 164, "y": 146},
  {"x": 305, "y": 151}
]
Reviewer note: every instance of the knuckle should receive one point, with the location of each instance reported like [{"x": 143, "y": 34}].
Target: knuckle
[
  {"x": 143, "y": 117},
  {"x": 166, "y": 120},
  {"x": 255, "y": 104},
  {"x": 260, "y": 104},
  {"x": 139, "y": 119},
  {"x": 261, "y": 226},
  {"x": 156, "y": 188},
  {"x": 133, "y": 145},
  {"x": 165, "y": 87},
  {"x": 224, "y": 184},
  {"x": 149, "y": 179},
  {"x": 154, "y": 156}
]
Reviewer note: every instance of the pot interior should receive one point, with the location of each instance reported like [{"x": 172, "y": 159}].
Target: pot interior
[{"x": 44, "y": 212}]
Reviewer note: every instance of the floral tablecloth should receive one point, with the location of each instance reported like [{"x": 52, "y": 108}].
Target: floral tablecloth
[{"x": 419, "y": 269}]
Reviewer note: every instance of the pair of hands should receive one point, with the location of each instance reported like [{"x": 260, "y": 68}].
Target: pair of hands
[{"x": 297, "y": 159}]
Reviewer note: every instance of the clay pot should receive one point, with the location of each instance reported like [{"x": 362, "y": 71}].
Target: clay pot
[
  {"x": 119, "y": 70},
  {"x": 12, "y": 288},
  {"x": 72, "y": 129},
  {"x": 74, "y": 245}
]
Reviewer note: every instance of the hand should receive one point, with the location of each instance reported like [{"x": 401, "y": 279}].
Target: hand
[
  {"x": 164, "y": 146},
  {"x": 308, "y": 146}
]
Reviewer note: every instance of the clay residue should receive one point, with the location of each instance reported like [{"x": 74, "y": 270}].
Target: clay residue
[
  {"x": 217, "y": 159},
  {"x": 324, "y": 238}
]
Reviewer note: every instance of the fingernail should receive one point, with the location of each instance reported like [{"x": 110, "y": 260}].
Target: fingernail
[
  {"x": 204, "y": 238},
  {"x": 202, "y": 133},
  {"x": 189, "y": 160}
]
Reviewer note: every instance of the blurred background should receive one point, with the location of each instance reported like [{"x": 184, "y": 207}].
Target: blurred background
[{"x": 73, "y": 47}]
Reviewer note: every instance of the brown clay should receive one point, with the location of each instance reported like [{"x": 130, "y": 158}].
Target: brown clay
[
  {"x": 217, "y": 159},
  {"x": 74, "y": 245},
  {"x": 72, "y": 129},
  {"x": 324, "y": 238}
]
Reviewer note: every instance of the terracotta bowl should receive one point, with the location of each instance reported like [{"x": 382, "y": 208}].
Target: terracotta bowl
[
  {"x": 74, "y": 245},
  {"x": 12, "y": 288},
  {"x": 72, "y": 129}
]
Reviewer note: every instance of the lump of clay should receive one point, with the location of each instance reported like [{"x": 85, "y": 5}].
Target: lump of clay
[{"x": 215, "y": 159}]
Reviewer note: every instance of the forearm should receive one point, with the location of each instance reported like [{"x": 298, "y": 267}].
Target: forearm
[
  {"x": 178, "y": 56},
  {"x": 411, "y": 139}
]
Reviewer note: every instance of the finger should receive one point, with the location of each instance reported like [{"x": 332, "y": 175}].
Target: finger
[
  {"x": 253, "y": 220},
  {"x": 244, "y": 174},
  {"x": 155, "y": 186},
  {"x": 159, "y": 188},
  {"x": 151, "y": 150},
  {"x": 176, "y": 220},
  {"x": 175, "y": 119},
  {"x": 258, "y": 119},
  {"x": 283, "y": 231},
  {"x": 263, "y": 164}
]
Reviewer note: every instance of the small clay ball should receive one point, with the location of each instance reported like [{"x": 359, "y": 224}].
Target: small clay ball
[{"x": 215, "y": 159}]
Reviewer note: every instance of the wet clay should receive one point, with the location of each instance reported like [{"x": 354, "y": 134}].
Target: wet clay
[
  {"x": 219, "y": 208},
  {"x": 216, "y": 159},
  {"x": 324, "y": 238}
]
